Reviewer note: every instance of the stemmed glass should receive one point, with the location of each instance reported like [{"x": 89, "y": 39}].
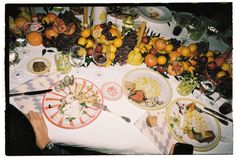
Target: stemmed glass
[
  {"x": 99, "y": 56},
  {"x": 77, "y": 56},
  {"x": 14, "y": 60}
]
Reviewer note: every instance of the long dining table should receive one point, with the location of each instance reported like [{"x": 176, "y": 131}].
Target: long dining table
[{"x": 108, "y": 132}]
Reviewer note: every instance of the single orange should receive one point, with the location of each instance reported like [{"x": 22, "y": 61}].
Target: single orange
[
  {"x": 49, "y": 33},
  {"x": 160, "y": 44},
  {"x": 118, "y": 42},
  {"x": 174, "y": 55},
  {"x": 20, "y": 21},
  {"x": 179, "y": 49},
  {"x": 34, "y": 38},
  {"x": 85, "y": 33},
  {"x": 193, "y": 47},
  {"x": 114, "y": 32},
  {"x": 161, "y": 60},
  {"x": 185, "y": 51}
]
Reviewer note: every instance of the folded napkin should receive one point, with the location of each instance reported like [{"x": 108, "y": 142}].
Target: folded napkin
[
  {"x": 159, "y": 135},
  {"x": 28, "y": 103}
]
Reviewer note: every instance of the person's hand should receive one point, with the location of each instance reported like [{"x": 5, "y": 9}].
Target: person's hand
[{"x": 40, "y": 129}]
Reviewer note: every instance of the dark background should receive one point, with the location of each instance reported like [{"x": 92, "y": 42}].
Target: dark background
[{"x": 218, "y": 11}]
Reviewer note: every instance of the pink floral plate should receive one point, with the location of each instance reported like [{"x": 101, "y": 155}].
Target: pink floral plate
[{"x": 72, "y": 103}]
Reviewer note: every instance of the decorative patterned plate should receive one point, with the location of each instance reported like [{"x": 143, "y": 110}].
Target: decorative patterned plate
[
  {"x": 72, "y": 104},
  {"x": 157, "y": 14},
  {"x": 189, "y": 126},
  {"x": 42, "y": 65},
  {"x": 147, "y": 89}
]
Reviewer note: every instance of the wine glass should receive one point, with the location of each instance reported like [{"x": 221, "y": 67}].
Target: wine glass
[
  {"x": 14, "y": 59},
  {"x": 100, "y": 55},
  {"x": 77, "y": 56}
]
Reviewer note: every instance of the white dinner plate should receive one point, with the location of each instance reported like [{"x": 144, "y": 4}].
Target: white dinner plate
[
  {"x": 152, "y": 84},
  {"x": 182, "y": 121},
  {"x": 164, "y": 14}
]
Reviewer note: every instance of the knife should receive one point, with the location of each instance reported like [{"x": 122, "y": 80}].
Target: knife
[
  {"x": 31, "y": 92},
  {"x": 218, "y": 114}
]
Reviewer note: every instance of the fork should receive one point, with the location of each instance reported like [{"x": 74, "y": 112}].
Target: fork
[
  {"x": 219, "y": 119},
  {"x": 123, "y": 117},
  {"x": 105, "y": 108}
]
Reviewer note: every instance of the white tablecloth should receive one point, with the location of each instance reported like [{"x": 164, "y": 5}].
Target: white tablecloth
[{"x": 108, "y": 133}]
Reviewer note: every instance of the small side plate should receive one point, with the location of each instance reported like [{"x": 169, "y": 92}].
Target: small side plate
[{"x": 39, "y": 59}]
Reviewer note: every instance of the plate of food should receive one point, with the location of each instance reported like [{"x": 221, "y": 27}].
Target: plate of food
[
  {"x": 146, "y": 89},
  {"x": 187, "y": 125},
  {"x": 121, "y": 12},
  {"x": 72, "y": 103},
  {"x": 39, "y": 65},
  {"x": 157, "y": 14}
]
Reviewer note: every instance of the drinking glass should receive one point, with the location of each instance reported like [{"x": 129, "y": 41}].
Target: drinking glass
[
  {"x": 186, "y": 85},
  {"x": 14, "y": 59},
  {"x": 99, "y": 56},
  {"x": 182, "y": 20},
  {"x": 196, "y": 27},
  {"x": 77, "y": 56},
  {"x": 63, "y": 62}
]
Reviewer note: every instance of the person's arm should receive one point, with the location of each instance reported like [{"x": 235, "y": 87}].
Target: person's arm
[{"x": 41, "y": 132}]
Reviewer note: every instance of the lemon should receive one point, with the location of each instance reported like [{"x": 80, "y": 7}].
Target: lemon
[
  {"x": 86, "y": 33},
  {"x": 118, "y": 42},
  {"x": 220, "y": 74},
  {"x": 112, "y": 56},
  {"x": 89, "y": 44},
  {"x": 161, "y": 60},
  {"x": 96, "y": 34},
  {"x": 82, "y": 41},
  {"x": 143, "y": 50},
  {"x": 81, "y": 52},
  {"x": 209, "y": 53},
  {"x": 210, "y": 58},
  {"x": 225, "y": 67},
  {"x": 105, "y": 48},
  {"x": 113, "y": 49},
  {"x": 148, "y": 47}
]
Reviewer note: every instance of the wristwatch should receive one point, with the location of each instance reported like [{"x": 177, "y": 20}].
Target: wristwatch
[{"x": 49, "y": 146}]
